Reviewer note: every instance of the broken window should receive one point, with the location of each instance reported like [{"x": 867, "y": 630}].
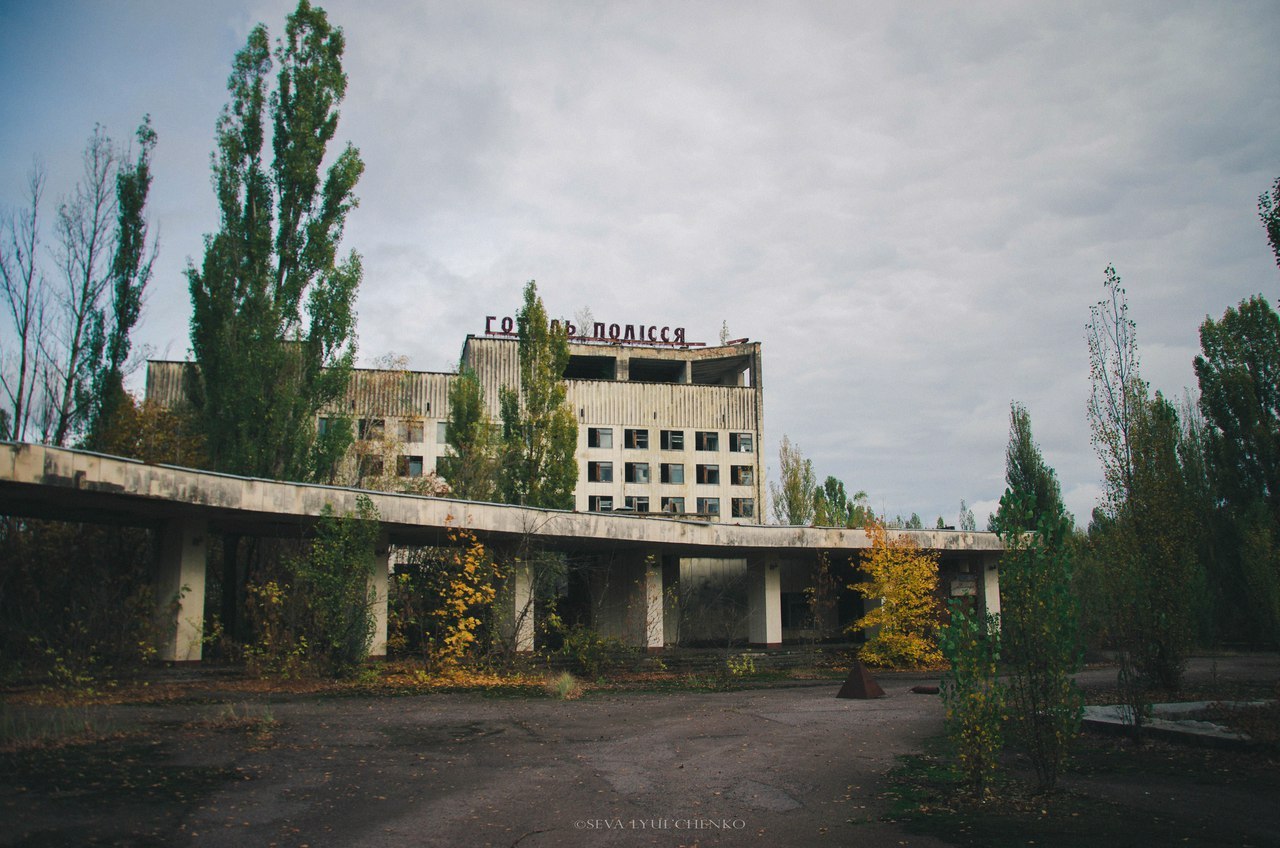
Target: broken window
[
  {"x": 409, "y": 466},
  {"x": 599, "y": 437},
  {"x": 636, "y": 472},
  {"x": 638, "y": 504},
  {"x": 411, "y": 431},
  {"x": 672, "y": 472},
  {"x": 442, "y": 432},
  {"x": 741, "y": 475},
  {"x": 638, "y": 439},
  {"x": 708, "y": 506},
  {"x": 707, "y": 440},
  {"x": 370, "y": 465},
  {"x": 708, "y": 474},
  {"x": 600, "y": 472},
  {"x": 740, "y": 443},
  {"x": 673, "y": 505},
  {"x": 371, "y": 428},
  {"x": 600, "y": 503},
  {"x": 673, "y": 439},
  {"x": 744, "y": 507}
]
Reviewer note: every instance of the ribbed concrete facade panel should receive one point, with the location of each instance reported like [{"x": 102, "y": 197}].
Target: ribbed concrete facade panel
[
  {"x": 662, "y": 404},
  {"x": 399, "y": 394},
  {"x": 165, "y": 382}
]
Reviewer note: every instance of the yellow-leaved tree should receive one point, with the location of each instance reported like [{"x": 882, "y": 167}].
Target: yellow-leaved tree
[{"x": 904, "y": 579}]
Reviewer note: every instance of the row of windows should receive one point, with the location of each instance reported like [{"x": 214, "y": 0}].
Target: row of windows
[
  {"x": 739, "y": 507},
  {"x": 638, "y": 439},
  {"x": 669, "y": 472},
  {"x": 369, "y": 429}
]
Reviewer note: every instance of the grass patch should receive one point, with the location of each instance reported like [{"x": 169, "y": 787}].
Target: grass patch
[{"x": 1117, "y": 794}]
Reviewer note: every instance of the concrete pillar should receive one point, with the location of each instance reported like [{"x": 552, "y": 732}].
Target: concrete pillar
[
  {"x": 179, "y": 587},
  {"x": 517, "y": 606},
  {"x": 989, "y": 583},
  {"x": 764, "y": 603},
  {"x": 654, "y": 632},
  {"x": 382, "y": 560}
]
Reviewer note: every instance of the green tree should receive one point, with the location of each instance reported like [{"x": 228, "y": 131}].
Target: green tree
[
  {"x": 129, "y": 274},
  {"x": 471, "y": 468},
  {"x": 1027, "y": 474},
  {"x": 1038, "y": 619},
  {"x": 1269, "y": 212},
  {"x": 968, "y": 523},
  {"x": 334, "y": 577},
  {"x": 1239, "y": 376},
  {"x": 832, "y": 506},
  {"x": 1145, "y": 535},
  {"x": 793, "y": 497},
  {"x": 973, "y": 695},
  {"x": 540, "y": 434},
  {"x": 273, "y": 326}
]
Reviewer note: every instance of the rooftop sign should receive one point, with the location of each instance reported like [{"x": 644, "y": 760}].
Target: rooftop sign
[{"x": 633, "y": 334}]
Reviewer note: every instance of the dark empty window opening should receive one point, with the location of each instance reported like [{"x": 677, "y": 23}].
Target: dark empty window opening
[
  {"x": 708, "y": 506},
  {"x": 709, "y": 474},
  {"x": 591, "y": 368},
  {"x": 744, "y": 507},
  {"x": 638, "y": 504},
  {"x": 673, "y": 505},
  {"x": 637, "y": 472},
  {"x": 740, "y": 443},
  {"x": 371, "y": 428},
  {"x": 599, "y": 437},
  {"x": 600, "y": 503},
  {"x": 707, "y": 440},
  {"x": 655, "y": 370},
  {"x": 741, "y": 475},
  {"x": 636, "y": 439},
  {"x": 673, "y": 439},
  {"x": 672, "y": 472},
  {"x": 600, "y": 472}
]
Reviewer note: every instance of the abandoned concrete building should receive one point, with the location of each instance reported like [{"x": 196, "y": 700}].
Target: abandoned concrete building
[{"x": 668, "y": 431}]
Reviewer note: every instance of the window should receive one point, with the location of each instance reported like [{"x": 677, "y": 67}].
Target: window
[
  {"x": 741, "y": 475},
  {"x": 740, "y": 443},
  {"x": 672, "y": 472},
  {"x": 599, "y": 437},
  {"x": 744, "y": 507},
  {"x": 707, "y": 441},
  {"x": 600, "y": 503},
  {"x": 637, "y": 504},
  {"x": 674, "y": 505},
  {"x": 325, "y": 425},
  {"x": 409, "y": 466},
  {"x": 708, "y": 506},
  {"x": 600, "y": 472},
  {"x": 371, "y": 428},
  {"x": 673, "y": 439},
  {"x": 636, "y": 472},
  {"x": 708, "y": 474},
  {"x": 411, "y": 431},
  {"x": 442, "y": 432},
  {"x": 638, "y": 439}
]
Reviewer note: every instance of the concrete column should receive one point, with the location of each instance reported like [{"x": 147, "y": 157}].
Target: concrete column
[
  {"x": 517, "y": 606},
  {"x": 382, "y": 559},
  {"x": 989, "y": 582},
  {"x": 179, "y": 588},
  {"x": 764, "y": 603},
  {"x": 654, "y": 632}
]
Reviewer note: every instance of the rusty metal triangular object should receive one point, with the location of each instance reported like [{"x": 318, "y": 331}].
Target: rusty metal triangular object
[{"x": 860, "y": 684}]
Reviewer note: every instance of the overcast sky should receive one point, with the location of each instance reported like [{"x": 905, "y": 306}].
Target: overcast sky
[{"x": 910, "y": 204}]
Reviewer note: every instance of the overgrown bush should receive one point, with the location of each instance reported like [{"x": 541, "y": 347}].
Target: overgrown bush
[
  {"x": 973, "y": 695},
  {"x": 904, "y": 579}
]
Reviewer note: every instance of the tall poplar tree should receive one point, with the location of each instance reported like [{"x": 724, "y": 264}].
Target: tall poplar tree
[
  {"x": 540, "y": 434},
  {"x": 471, "y": 467},
  {"x": 273, "y": 325},
  {"x": 1027, "y": 476}
]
